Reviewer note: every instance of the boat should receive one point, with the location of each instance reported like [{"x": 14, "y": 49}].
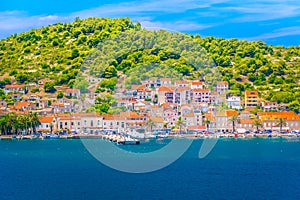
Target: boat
[{"x": 51, "y": 136}]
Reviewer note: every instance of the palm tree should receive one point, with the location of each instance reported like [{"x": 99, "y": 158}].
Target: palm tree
[
  {"x": 207, "y": 123},
  {"x": 281, "y": 122},
  {"x": 150, "y": 124},
  {"x": 257, "y": 123},
  {"x": 180, "y": 123},
  {"x": 34, "y": 121},
  {"x": 51, "y": 127},
  {"x": 233, "y": 119},
  {"x": 2, "y": 125}
]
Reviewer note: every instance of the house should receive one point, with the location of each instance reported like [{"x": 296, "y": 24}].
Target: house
[
  {"x": 165, "y": 81},
  {"x": 23, "y": 106},
  {"x": 190, "y": 119},
  {"x": 223, "y": 120},
  {"x": 73, "y": 93},
  {"x": 165, "y": 94},
  {"x": 182, "y": 95},
  {"x": 270, "y": 120},
  {"x": 222, "y": 87},
  {"x": 16, "y": 97},
  {"x": 234, "y": 102},
  {"x": 182, "y": 83},
  {"x": 200, "y": 95},
  {"x": 246, "y": 124},
  {"x": 158, "y": 123},
  {"x": 269, "y": 106},
  {"x": 144, "y": 94},
  {"x": 197, "y": 85},
  {"x": 251, "y": 99},
  {"x": 156, "y": 111},
  {"x": 3, "y": 103},
  {"x": 48, "y": 123},
  {"x": 22, "y": 89}
]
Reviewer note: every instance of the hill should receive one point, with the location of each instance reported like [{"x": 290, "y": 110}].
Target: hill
[{"x": 56, "y": 52}]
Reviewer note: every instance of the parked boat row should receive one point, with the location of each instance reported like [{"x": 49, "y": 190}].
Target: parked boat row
[{"x": 120, "y": 139}]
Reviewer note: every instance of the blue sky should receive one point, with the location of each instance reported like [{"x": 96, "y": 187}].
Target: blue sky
[{"x": 276, "y": 22}]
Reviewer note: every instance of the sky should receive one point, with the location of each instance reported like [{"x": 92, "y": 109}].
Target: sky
[{"x": 275, "y": 22}]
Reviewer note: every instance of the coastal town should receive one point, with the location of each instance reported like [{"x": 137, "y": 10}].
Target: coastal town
[{"x": 162, "y": 105}]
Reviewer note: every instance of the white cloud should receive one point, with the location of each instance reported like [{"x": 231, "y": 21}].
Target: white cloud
[
  {"x": 287, "y": 31},
  {"x": 174, "y": 26},
  {"x": 49, "y": 18}
]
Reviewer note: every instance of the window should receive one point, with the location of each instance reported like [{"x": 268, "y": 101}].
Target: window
[
  {"x": 66, "y": 123},
  {"x": 98, "y": 122},
  {"x": 84, "y": 122}
]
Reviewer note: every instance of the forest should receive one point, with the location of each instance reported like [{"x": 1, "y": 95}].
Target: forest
[{"x": 60, "y": 52}]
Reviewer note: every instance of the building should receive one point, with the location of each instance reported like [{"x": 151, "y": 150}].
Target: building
[
  {"x": 47, "y": 123},
  {"x": 197, "y": 85},
  {"x": 16, "y": 89},
  {"x": 182, "y": 95},
  {"x": 222, "y": 87},
  {"x": 251, "y": 99},
  {"x": 165, "y": 81},
  {"x": 269, "y": 106},
  {"x": 165, "y": 94},
  {"x": 270, "y": 120},
  {"x": 200, "y": 95},
  {"x": 223, "y": 120},
  {"x": 182, "y": 83},
  {"x": 73, "y": 93},
  {"x": 234, "y": 102}
]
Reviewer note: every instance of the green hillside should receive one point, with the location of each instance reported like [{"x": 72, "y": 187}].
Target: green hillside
[{"x": 57, "y": 52}]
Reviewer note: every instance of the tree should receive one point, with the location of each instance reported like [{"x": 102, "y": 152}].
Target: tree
[
  {"x": 257, "y": 124},
  {"x": 60, "y": 95},
  {"x": 110, "y": 72},
  {"x": 150, "y": 123},
  {"x": 51, "y": 127},
  {"x": 207, "y": 123},
  {"x": 281, "y": 122},
  {"x": 74, "y": 54},
  {"x": 233, "y": 119},
  {"x": 180, "y": 123},
  {"x": 49, "y": 87}
]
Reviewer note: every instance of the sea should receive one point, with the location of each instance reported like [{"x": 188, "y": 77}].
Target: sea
[{"x": 235, "y": 169}]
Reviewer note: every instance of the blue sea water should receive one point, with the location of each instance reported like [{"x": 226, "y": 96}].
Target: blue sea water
[{"x": 235, "y": 169}]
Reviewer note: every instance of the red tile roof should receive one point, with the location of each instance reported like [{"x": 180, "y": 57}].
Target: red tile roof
[
  {"x": 14, "y": 86},
  {"x": 46, "y": 119}
]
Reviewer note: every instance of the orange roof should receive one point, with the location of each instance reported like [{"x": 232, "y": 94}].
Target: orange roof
[
  {"x": 222, "y": 83},
  {"x": 46, "y": 119},
  {"x": 246, "y": 121},
  {"x": 164, "y": 105},
  {"x": 14, "y": 86},
  {"x": 249, "y": 93},
  {"x": 189, "y": 115},
  {"x": 285, "y": 115},
  {"x": 157, "y": 119},
  {"x": 197, "y": 83},
  {"x": 230, "y": 113},
  {"x": 201, "y": 90},
  {"x": 21, "y": 104},
  {"x": 182, "y": 89},
  {"x": 72, "y": 90},
  {"x": 164, "y": 89},
  {"x": 137, "y": 87},
  {"x": 165, "y": 79},
  {"x": 181, "y": 82}
]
